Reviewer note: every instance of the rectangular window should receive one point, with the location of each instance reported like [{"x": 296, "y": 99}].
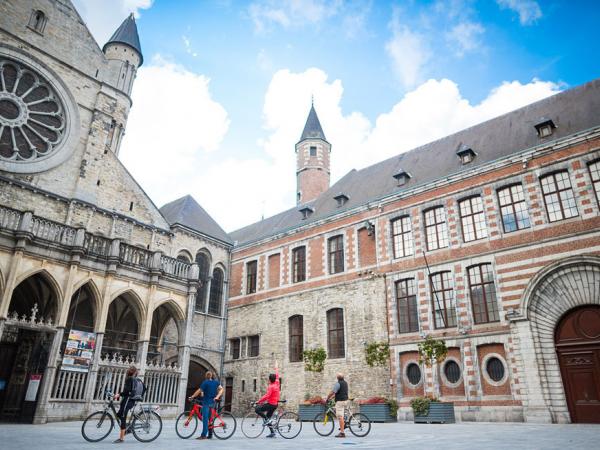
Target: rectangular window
[
  {"x": 595, "y": 175},
  {"x": 243, "y": 385},
  {"x": 558, "y": 196},
  {"x": 296, "y": 338},
  {"x": 253, "y": 346},
  {"x": 513, "y": 208},
  {"x": 442, "y": 298},
  {"x": 402, "y": 237},
  {"x": 483, "y": 294},
  {"x": 254, "y": 385},
  {"x": 336, "y": 254},
  {"x": 251, "y": 270},
  {"x": 235, "y": 348},
  {"x": 335, "y": 333},
  {"x": 299, "y": 264},
  {"x": 472, "y": 219},
  {"x": 406, "y": 301},
  {"x": 436, "y": 231},
  {"x": 313, "y": 151}
]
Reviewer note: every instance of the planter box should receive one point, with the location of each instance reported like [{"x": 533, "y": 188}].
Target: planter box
[
  {"x": 307, "y": 413},
  {"x": 377, "y": 412},
  {"x": 439, "y": 412}
]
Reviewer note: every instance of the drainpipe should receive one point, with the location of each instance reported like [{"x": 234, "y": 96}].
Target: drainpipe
[{"x": 224, "y": 320}]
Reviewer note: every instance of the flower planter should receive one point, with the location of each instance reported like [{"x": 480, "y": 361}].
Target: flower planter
[
  {"x": 307, "y": 413},
  {"x": 377, "y": 412},
  {"x": 439, "y": 412}
]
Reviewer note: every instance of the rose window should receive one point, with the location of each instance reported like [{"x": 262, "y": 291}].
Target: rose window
[{"x": 32, "y": 118}]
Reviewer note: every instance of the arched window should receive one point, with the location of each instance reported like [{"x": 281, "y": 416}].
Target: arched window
[
  {"x": 216, "y": 292},
  {"x": 335, "y": 333},
  {"x": 37, "y": 21},
  {"x": 183, "y": 256},
  {"x": 296, "y": 330},
  {"x": 203, "y": 270}
]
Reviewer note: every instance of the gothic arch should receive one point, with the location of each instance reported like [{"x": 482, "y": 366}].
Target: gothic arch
[
  {"x": 136, "y": 301},
  {"x": 52, "y": 283},
  {"x": 173, "y": 306},
  {"x": 97, "y": 297},
  {"x": 553, "y": 292}
]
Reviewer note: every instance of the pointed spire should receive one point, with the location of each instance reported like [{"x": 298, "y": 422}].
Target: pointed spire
[
  {"x": 127, "y": 34},
  {"x": 312, "y": 129}
]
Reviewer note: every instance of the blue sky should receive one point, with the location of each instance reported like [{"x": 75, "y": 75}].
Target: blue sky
[{"x": 235, "y": 79}]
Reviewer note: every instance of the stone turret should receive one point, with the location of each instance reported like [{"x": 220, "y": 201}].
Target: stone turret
[
  {"x": 124, "y": 54},
  {"x": 312, "y": 160}
]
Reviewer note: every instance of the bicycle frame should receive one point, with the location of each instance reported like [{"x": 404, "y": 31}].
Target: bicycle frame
[{"x": 214, "y": 415}]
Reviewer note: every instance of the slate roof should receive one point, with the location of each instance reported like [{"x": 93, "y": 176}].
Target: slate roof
[
  {"x": 572, "y": 111},
  {"x": 187, "y": 212},
  {"x": 127, "y": 34},
  {"x": 312, "y": 129}
]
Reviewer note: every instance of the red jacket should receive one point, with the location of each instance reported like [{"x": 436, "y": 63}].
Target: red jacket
[{"x": 272, "y": 395}]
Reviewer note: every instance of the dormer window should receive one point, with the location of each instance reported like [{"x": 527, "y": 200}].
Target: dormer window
[
  {"x": 402, "y": 177},
  {"x": 341, "y": 199},
  {"x": 545, "y": 127},
  {"x": 466, "y": 154},
  {"x": 306, "y": 212},
  {"x": 313, "y": 150},
  {"x": 37, "y": 21}
]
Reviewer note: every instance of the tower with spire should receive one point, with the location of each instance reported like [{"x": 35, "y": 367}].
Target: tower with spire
[
  {"x": 124, "y": 54},
  {"x": 312, "y": 160}
]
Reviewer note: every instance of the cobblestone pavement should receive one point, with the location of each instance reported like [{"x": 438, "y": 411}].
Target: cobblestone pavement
[{"x": 473, "y": 436}]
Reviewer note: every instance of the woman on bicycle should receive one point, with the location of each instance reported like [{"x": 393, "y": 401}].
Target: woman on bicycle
[
  {"x": 267, "y": 404},
  {"x": 132, "y": 392},
  {"x": 211, "y": 391}
]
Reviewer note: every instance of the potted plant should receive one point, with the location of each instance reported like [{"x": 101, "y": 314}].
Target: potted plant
[
  {"x": 311, "y": 406},
  {"x": 429, "y": 409},
  {"x": 379, "y": 409}
]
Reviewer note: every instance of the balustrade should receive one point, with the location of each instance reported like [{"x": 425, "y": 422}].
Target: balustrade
[
  {"x": 9, "y": 218},
  {"x": 52, "y": 231},
  {"x": 162, "y": 383},
  {"x": 69, "y": 385},
  {"x": 96, "y": 245},
  {"x": 173, "y": 266},
  {"x": 135, "y": 256}
]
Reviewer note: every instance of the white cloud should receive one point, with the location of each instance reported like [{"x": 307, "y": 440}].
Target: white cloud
[
  {"x": 173, "y": 124},
  {"x": 188, "y": 46},
  {"x": 290, "y": 13},
  {"x": 465, "y": 37},
  {"x": 529, "y": 11},
  {"x": 409, "y": 54},
  {"x": 103, "y": 17}
]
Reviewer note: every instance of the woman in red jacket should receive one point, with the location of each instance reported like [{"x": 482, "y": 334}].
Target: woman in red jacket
[{"x": 267, "y": 404}]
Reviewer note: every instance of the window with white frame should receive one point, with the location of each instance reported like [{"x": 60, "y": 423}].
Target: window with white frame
[
  {"x": 513, "y": 208},
  {"x": 402, "y": 237},
  {"x": 558, "y": 196},
  {"x": 472, "y": 219},
  {"x": 436, "y": 230}
]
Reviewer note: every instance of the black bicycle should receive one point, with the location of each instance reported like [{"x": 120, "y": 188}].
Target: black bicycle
[
  {"x": 358, "y": 423},
  {"x": 144, "y": 423},
  {"x": 287, "y": 423}
]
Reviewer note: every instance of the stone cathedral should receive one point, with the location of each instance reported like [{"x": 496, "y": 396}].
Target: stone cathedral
[{"x": 487, "y": 239}]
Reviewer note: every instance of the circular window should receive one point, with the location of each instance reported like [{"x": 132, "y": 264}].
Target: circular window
[
  {"x": 413, "y": 373},
  {"x": 495, "y": 369},
  {"x": 452, "y": 371}
]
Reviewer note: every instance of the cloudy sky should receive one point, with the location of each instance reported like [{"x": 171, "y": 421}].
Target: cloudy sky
[{"x": 226, "y": 86}]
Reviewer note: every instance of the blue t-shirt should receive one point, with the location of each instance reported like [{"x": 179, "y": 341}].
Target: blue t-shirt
[{"x": 209, "y": 389}]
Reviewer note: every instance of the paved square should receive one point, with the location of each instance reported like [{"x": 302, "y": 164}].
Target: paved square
[{"x": 475, "y": 436}]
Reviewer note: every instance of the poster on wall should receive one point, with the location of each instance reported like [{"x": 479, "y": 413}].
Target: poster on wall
[
  {"x": 79, "y": 351},
  {"x": 32, "y": 388}
]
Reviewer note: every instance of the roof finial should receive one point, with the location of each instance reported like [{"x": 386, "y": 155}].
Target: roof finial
[{"x": 312, "y": 100}]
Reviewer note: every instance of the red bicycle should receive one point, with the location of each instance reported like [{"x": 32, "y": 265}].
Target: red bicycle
[{"x": 221, "y": 423}]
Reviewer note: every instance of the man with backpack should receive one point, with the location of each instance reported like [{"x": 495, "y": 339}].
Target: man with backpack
[{"x": 133, "y": 391}]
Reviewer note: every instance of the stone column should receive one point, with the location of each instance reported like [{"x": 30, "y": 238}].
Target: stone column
[
  {"x": 92, "y": 377},
  {"x": 41, "y": 414}
]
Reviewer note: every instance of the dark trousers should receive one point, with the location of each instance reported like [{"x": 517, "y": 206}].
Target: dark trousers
[
  {"x": 126, "y": 405},
  {"x": 265, "y": 411}
]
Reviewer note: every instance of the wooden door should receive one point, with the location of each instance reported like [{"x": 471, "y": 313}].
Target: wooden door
[
  {"x": 228, "y": 393},
  {"x": 578, "y": 346}
]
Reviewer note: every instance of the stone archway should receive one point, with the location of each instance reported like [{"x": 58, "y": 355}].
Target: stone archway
[{"x": 554, "y": 291}]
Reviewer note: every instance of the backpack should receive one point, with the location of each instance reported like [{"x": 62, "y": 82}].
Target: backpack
[{"x": 138, "y": 389}]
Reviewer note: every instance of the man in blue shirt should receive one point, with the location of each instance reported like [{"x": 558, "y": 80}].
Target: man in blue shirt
[{"x": 211, "y": 392}]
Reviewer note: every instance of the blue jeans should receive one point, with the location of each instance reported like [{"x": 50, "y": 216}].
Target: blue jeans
[{"x": 206, "y": 409}]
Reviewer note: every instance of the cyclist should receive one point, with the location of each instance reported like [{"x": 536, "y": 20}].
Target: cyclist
[
  {"x": 267, "y": 404},
  {"x": 133, "y": 392},
  {"x": 211, "y": 391},
  {"x": 340, "y": 392}
]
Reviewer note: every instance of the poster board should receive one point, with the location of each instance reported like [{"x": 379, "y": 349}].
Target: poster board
[
  {"x": 79, "y": 351},
  {"x": 32, "y": 388}
]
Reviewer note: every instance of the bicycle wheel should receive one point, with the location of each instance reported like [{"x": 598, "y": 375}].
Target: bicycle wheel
[
  {"x": 289, "y": 425},
  {"x": 223, "y": 425},
  {"x": 97, "y": 426},
  {"x": 252, "y": 425},
  {"x": 186, "y": 425},
  {"x": 146, "y": 426},
  {"x": 359, "y": 425},
  {"x": 324, "y": 424}
]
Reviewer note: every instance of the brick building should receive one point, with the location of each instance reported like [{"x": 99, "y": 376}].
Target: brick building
[
  {"x": 506, "y": 214},
  {"x": 82, "y": 246}
]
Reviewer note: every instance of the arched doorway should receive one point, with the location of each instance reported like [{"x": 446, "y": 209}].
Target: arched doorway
[
  {"x": 195, "y": 378},
  {"x": 122, "y": 328},
  {"x": 25, "y": 346},
  {"x": 577, "y": 342},
  {"x": 164, "y": 335}
]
